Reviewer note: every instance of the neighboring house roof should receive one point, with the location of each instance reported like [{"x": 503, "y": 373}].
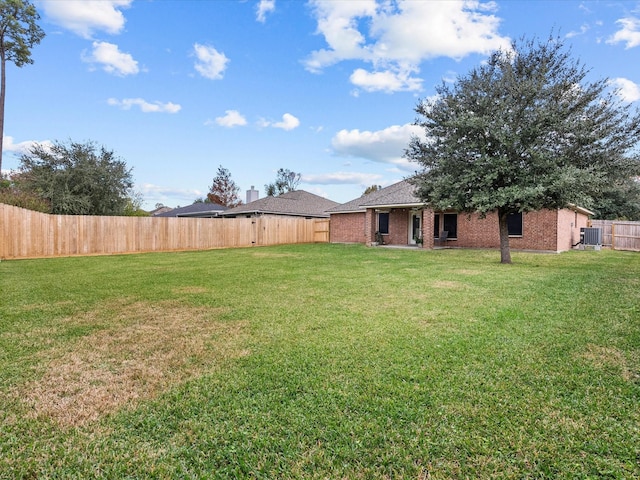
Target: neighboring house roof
[
  {"x": 399, "y": 194},
  {"x": 201, "y": 210},
  {"x": 297, "y": 203}
]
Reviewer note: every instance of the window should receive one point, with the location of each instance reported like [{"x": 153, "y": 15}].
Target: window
[
  {"x": 436, "y": 226},
  {"x": 383, "y": 223},
  {"x": 450, "y": 224},
  {"x": 514, "y": 224}
]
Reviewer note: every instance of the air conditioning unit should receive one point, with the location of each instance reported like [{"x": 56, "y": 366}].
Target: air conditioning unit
[{"x": 590, "y": 238}]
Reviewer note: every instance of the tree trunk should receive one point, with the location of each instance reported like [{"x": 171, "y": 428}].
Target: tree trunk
[{"x": 505, "y": 250}]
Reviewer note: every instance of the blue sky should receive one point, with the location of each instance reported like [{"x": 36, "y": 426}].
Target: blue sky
[{"x": 324, "y": 88}]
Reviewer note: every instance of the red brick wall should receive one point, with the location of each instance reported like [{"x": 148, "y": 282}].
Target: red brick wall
[
  {"x": 347, "y": 228},
  {"x": 370, "y": 226},
  {"x": 539, "y": 231},
  {"x": 427, "y": 228},
  {"x": 569, "y": 224},
  {"x": 544, "y": 230},
  {"x": 398, "y": 227},
  {"x": 549, "y": 230}
]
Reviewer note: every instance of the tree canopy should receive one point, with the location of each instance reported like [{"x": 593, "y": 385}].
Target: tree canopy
[
  {"x": 286, "y": 181},
  {"x": 223, "y": 190},
  {"x": 522, "y": 132},
  {"x": 78, "y": 179},
  {"x": 371, "y": 189},
  {"x": 19, "y": 33}
]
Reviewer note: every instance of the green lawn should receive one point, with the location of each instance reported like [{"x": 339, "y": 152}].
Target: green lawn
[{"x": 321, "y": 361}]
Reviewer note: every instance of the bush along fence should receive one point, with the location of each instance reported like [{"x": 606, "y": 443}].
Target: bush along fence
[
  {"x": 29, "y": 234},
  {"x": 619, "y": 235}
]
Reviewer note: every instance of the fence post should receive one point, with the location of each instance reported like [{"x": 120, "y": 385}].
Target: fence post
[{"x": 613, "y": 236}]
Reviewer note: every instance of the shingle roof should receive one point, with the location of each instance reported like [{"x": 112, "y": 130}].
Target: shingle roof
[
  {"x": 195, "y": 210},
  {"x": 398, "y": 194},
  {"x": 298, "y": 203}
]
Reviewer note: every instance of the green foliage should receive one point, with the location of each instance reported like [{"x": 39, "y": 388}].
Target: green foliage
[
  {"x": 523, "y": 132},
  {"x": 371, "y": 189},
  {"x": 223, "y": 190},
  {"x": 621, "y": 201},
  {"x": 134, "y": 205},
  {"x": 78, "y": 179},
  {"x": 347, "y": 369},
  {"x": 11, "y": 194},
  {"x": 19, "y": 33},
  {"x": 286, "y": 181}
]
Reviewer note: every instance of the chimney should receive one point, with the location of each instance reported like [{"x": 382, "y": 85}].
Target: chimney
[{"x": 252, "y": 195}]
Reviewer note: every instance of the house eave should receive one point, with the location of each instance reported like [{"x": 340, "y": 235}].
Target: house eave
[
  {"x": 358, "y": 210},
  {"x": 581, "y": 210},
  {"x": 266, "y": 212},
  {"x": 397, "y": 205}
]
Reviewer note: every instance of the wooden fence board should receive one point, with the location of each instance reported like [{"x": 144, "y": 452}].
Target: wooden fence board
[
  {"x": 619, "y": 235},
  {"x": 28, "y": 234}
]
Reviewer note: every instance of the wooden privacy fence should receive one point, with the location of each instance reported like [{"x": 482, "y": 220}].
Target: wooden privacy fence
[
  {"x": 619, "y": 235},
  {"x": 29, "y": 234}
]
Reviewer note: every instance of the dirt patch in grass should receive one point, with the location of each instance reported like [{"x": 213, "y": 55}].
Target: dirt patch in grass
[
  {"x": 145, "y": 349},
  {"x": 466, "y": 271},
  {"x": 608, "y": 357}
]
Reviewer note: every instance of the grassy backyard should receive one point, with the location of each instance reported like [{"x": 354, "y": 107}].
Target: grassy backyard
[{"x": 321, "y": 361}]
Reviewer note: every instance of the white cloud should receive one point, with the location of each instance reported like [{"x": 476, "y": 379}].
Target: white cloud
[
  {"x": 264, "y": 7},
  {"x": 629, "y": 33},
  {"x": 146, "y": 107},
  {"x": 211, "y": 63},
  {"x": 627, "y": 90},
  {"x": 232, "y": 118},
  {"x": 289, "y": 122},
  {"x": 170, "y": 196},
  {"x": 574, "y": 33},
  {"x": 21, "y": 148},
  {"x": 400, "y": 35},
  {"x": 87, "y": 16},
  {"x": 112, "y": 59},
  {"x": 342, "y": 178},
  {"x": 384, "y": 146},
  {"x": 385, "y": 81},
  {"x": 338, "y": 23}
]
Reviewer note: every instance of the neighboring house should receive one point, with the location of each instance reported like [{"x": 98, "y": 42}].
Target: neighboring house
[
  {"x": 396, "y": 216},
  {"x": 298, "y": 203},
  {"x": 197, "y": 210}
]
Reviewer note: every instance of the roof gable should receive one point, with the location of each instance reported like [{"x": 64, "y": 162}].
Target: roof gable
[{"x": 396, "y": 195}]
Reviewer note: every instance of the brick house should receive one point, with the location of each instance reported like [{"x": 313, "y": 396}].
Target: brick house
[{"x": 395, "y": 216}]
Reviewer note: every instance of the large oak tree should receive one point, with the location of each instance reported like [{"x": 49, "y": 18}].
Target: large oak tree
[
  {"x": 19, "y": 32},
  {"x": 77, "y": 178},
  {"x": 524, "y": 131}
]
